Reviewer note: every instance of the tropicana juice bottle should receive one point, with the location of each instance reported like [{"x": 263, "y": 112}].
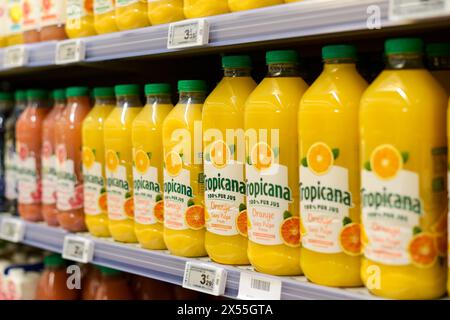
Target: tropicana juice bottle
[
  {"x": 204, "y": 8},
  {"x": 184, "y": 220},
  {"x": 48, "y": 155},
  {"x": 329, "y": 171},
  {"x": 80, "y": 18},
  {"x": 29, "y": 144},
  {"x": 105, "y": 16},
  {"x": 148, "y": 166},
  {"x": 131, "y": 14},
  {"x": 403, "y": 185},
  {"x": 438, "y": 55},
  {"x": 94, "y": 176},
  {"x": 119, "y": 162},
  {"x": 224, "y": 159},
  {"x": 165, "y": 11},
  {"x": 272, "y": 167}
]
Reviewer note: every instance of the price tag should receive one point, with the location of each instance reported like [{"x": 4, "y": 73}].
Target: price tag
[
  {"x": 205, "y": 278},
  {"x": 257, "y": 287},
  {"x": 15, "y": 57},
  {"x": 78, "y": 249},
  {"x": 188, "y": 33},
  {"x": 70, "y": 51},
  {"x": 416, "y": 9},
  {"x": 12, "y": 229}
]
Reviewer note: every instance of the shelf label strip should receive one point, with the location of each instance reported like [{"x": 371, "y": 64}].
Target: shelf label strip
[{"x": 205, "y": 278}]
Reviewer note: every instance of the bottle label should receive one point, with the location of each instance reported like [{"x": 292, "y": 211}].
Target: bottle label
[
  {"x": 52, "y": 13},
  {"x": 120, "y": 198},
  {"x": 181, "y": 212},
  {"x": 49, "y": 176},
  {"x": 31, "y": 14},
  {"x": 95, "y": 197},
  {"x": 149, "y": 203},
  {"x": 69, "y": 194},
  {"x": 29, "y": 183},
  {"x": 124, "y": 3},
  {"x": 103, "y": 6},
  {"x": 11, "y": 160},
  {"x": 77, "y": 9},
  {"x": 325, "y": 200},
  {"x": 268, "y": 198},
  {"x": 224, "y": 191},
  {"x": 14, "y": 17}
]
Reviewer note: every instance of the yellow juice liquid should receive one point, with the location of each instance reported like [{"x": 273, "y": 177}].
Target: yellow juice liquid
[
  {"x": 239, "y": 5},
  {"x": 95, "y": 198},
  {"x": 148, "y": 171},
  {"x": 80, "y": 21},
  {"x": 15, "y": 39},
  {"x": 226, "y": 214},
  {"x": 131, "y": 14},
  {"x": 119, "y": 168},
  {"x": 165, "y": 11},
  {"x": 184, "y": 231},
  {"x": 204, "y": 8},
  {"x": 403, "y": 158},
  {"x": 329, "y": 161},
  {"x": 272, "y": 170},
  {"x": 105, "y": 16}
]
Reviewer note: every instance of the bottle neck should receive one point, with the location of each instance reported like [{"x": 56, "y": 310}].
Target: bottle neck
[
  {"x": 404, "y": 61},
  {"x": 237, "y": 72},
  {"x": 331, "y": 64},
  {"x": 158, "y": 99},
  {"x": 278, "y": 70},
  {"x": 439, "y": 63},
  {"x": 20, "y": 105},
  {"x": 78, "y": 100},
  {"x": 129, "y": 101},
  {"x": 105, "y": 101},
  {"x": 192, "y": 97},
  {"x": 38, "y": 103}
]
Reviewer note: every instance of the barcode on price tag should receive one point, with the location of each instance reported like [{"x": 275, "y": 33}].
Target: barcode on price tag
[
  {"x": 257, "y": 287},
  {"x": 70, "y": 51},
  {"x": 15, "y": 57},
  {"x": 78, "y": 249},
  {"x": 416, "y": 9},
  {"x": 188, "y": 33},
  {"x": 12, "y": 229},
  {"x": 205, "y": 278}
]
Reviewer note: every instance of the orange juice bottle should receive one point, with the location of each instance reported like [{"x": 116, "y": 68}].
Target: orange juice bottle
[
  {"x": 272, "y": 167},
  {"x": 148, "y": 166},
  {"x": 184, "y": 220},
  {"x": 14, "y": 19},
  {"x": 329, "y": 171},
  {"x": 239, "y": 5},
  {"x": 224, "y": 158},
  {"x": 438, "y": 55},
  {"x": 105, "y": 16},
  {"x": 80, "y": 18},
  {"x": 131, "y": 14},
  {"x": 29, "y": 144},
  {"x": 165, "y": 11},
  {"x": 204, "y": 8},
  {"x": 95, "y": 198},
  {"x": 69, "y": 194},
  {"x": 119, "y": 162},
  {"x": 48, "y": 156},
  {"x": 403, "y": 177}
]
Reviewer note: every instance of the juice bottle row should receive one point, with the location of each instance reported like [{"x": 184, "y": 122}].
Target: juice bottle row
[
  {"x": 343, "y": 181},
  {"x": 28, "y": 21}
]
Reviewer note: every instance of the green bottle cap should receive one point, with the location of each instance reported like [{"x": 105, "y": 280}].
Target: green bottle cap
[
  {"x": 236, "y": 62},
  {"x": 109, "y": 271},
  {"x": 192, "y": 86},
  {"x": 157, "y": 88},
  {"x": 37, "y": 93},
  {"x": 77, "y": 92},
  {"x": 20, "y": 95},
  {"x": 403, "y": 45},
  {"x": 54, "y": 260},
  {"x": 281, "y": 56},
  {"x": 438, "y": 49},
  {"x": 104, "y": 92},
  {"x": 127, "y": 89},
  {"x": 339, "y": 51},
  {"x": 59, "y": 94},
  {"x": 6, "y": 96}
]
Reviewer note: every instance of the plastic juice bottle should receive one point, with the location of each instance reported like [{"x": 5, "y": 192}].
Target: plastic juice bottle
[
  {"x": 31, "y": 20},
  {"x": 11, "y": 157},
  {"x": 165, "y": 11},
  {"x": 329, "y": 165},
  {"x": 14, "y": 20},
  {"x": 69, "y": 194},
  {"x": 131, "y": 14},
  {"x": 94, "y": 176},
  {"x": 6, "y": 106},
  {"x": 48, "y": 158},
  {"x": 184, "y": 220},
  {"x": 53, "y": 20},
  {"x": 28, "y": 146},
  {"x": 224, "y": 158},
  {"x": 438, "y": 55},
  {"x": 119, "y": 162},
  {"x": 403, "y": 191},
  {"x": 105, "y": 16},
  {"x": 272, "y": 167},
  {"x": 148, "y": 166},
  {"x": 113, "y": 286},
  {"x": 239, "y": 5},
  {"x": 80, "y": 18},
  {"x": 204, "y": 8}
]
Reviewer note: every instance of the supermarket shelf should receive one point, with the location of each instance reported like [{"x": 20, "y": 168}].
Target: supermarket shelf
[
  {"x": 162, "y": 266},
  {"x": 294, "y": 20}
]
